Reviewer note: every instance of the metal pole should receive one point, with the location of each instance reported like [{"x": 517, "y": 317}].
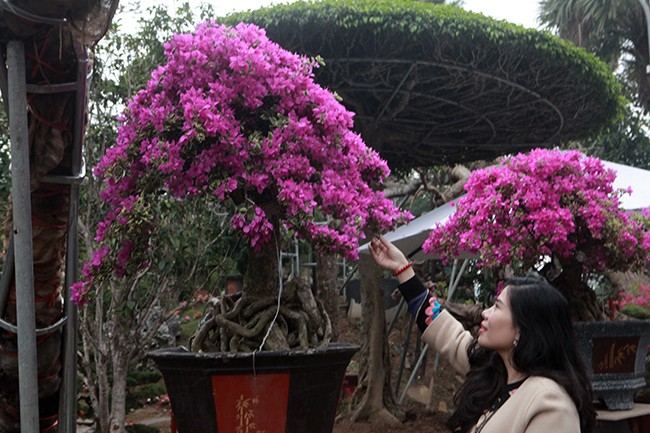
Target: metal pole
[
  {"x": 456, "y": 280},
  {"x": 414, "y": 372},
  {"x": 402, "y": 361},
  {"x": 72, "y": 258},
  {"x": 68, "y": 402},
  {"x": 22, "y": 230},
  {"x": 452, "y": 278},
  {"x": 646, "y": 12},
  {"x": 401, "y": 304},
  {"x": 349, "y": 277}
]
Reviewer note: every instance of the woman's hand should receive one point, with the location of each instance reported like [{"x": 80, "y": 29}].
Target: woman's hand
[{"x": 387, "y": 255}]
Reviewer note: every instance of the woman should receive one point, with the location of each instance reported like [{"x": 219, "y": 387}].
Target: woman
[{"x": 523, "y": 372}]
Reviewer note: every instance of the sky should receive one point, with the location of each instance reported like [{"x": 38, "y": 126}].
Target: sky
[{"x": 522, "y": 12}]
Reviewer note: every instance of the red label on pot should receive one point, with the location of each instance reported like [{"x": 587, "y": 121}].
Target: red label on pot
[{"x": 251, "y": 403}]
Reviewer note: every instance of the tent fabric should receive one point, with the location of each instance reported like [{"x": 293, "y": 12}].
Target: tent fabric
[{"x": 636, "y": 178}]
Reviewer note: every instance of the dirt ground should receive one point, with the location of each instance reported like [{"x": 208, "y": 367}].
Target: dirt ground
[
  {"x": 425, "y": 422},
  {"x": 429, "y": 397},
  {"x": 420, "y": 420},
  {"x": 426, "y": 411}
]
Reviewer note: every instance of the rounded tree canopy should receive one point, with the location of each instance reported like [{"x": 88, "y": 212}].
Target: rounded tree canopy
[
  {"x": 434, "y": 84},
  {"x": 545, "y": 203},
  {"x": 233, "y": 117}
]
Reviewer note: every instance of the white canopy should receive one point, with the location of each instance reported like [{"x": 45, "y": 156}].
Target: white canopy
[
  {"x": 636, "y": 178},
  {"x": 410, "y": 237}
]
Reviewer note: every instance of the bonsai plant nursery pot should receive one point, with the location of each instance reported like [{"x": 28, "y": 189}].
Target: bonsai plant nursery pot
[
  {"x": 270, "y": 392},
  {"x": 614, "y": 353}
]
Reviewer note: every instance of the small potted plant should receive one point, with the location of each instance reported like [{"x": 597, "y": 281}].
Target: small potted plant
[
  {"x": 558, "y": 212},
  {"x": 236, "y": 119}
]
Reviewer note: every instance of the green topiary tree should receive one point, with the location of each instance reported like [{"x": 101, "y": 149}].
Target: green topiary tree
[{"x": 433, "y": 83}]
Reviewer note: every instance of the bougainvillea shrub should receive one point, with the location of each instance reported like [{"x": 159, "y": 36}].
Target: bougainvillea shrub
[
  {"x": 234, "y": 117},
  {"x": 546, "y": 203}
]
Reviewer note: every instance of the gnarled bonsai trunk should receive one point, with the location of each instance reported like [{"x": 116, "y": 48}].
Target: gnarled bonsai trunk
[
  {"x": 258, "y": 320},
  {"x": 582, "y": 299},
  {"x": 262, "y": 273}
]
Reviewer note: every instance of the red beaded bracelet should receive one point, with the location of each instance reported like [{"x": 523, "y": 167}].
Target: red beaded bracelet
[{"x": 402, "y": 269}]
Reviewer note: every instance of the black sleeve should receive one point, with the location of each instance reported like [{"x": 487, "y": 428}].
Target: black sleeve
[{"x": 417, "y": 298}]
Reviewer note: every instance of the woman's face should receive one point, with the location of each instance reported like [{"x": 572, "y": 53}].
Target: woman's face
[{"x": 497, "y": 330}]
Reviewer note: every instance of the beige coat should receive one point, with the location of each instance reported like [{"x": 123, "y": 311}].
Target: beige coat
[{"x": 540, "y": 405}]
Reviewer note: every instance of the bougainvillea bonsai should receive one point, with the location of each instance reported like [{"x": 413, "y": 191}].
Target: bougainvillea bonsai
[
  {"x": 547, "y": 204},
  {"x": 235, "y": 118}
]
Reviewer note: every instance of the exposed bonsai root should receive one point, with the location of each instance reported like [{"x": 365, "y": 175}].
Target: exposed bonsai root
[{"x": 244, "y": 323}]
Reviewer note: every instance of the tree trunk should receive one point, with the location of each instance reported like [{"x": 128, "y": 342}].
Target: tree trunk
[
  {"x": 469, "y": 315},
  {"x": 94, "y": 363},
  {"x": 327, "y": 288},
  {"x": 262, "y": 274},
  {"x": 124, "y": 327},
  {"x": 115, "y": 338},
  {"x": 374, "y": 397},
  {"x": 118, "y": 397},
  {"x": 102, "y": 408},
  {"x": 460, "y": 174},
  {"x": 582, "y": 299}
]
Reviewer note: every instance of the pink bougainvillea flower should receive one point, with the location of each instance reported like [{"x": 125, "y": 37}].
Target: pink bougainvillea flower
[
  {"x": 544, "y": 203},
  {"x": 233, "y": 116}
]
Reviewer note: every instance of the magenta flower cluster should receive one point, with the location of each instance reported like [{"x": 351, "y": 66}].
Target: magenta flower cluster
[
  {"x": 544, "y": 203},
  {"x": 638, "y": 294},
  {"x": 233, "y": 116}
]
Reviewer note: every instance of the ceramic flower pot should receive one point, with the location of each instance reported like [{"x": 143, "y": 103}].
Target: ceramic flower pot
[
  {"x": 614, "y": 353},
  {"x": 270, "y": 392}
]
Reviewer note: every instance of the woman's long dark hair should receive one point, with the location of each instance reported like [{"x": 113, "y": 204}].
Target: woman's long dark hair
[{"x": 547, "y": 347}]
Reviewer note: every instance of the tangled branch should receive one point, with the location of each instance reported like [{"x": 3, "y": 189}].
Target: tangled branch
[{"x": 244, "y": 323}]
